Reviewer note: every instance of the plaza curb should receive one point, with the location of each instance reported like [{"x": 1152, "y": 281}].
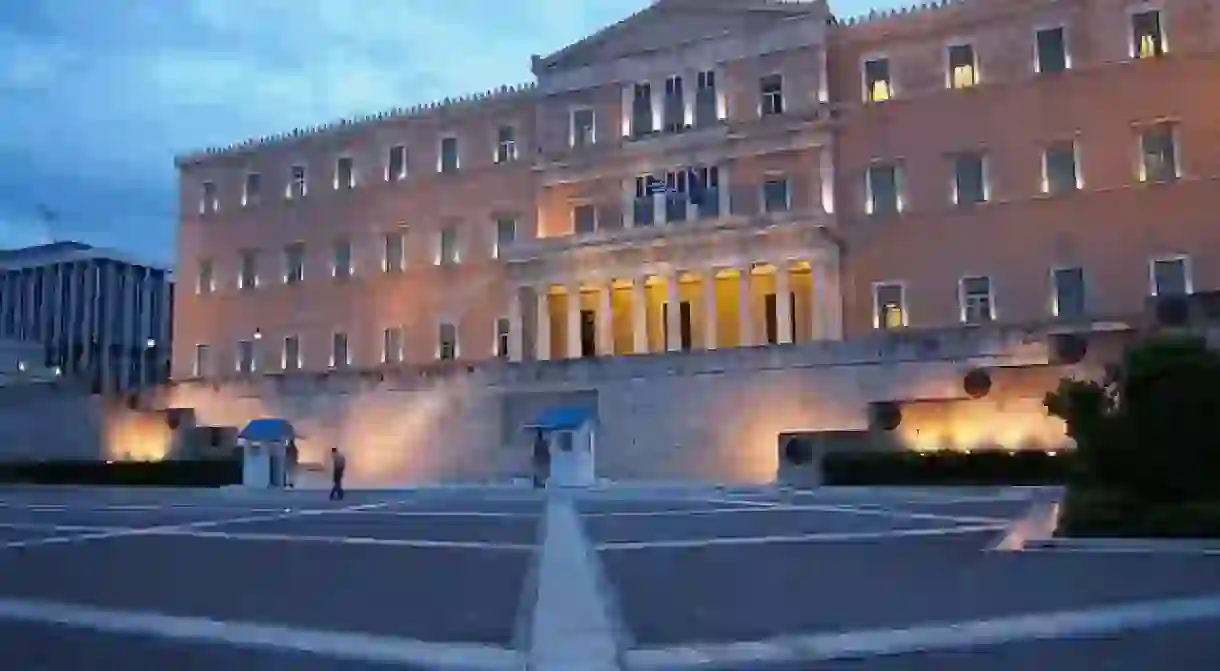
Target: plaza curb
[{"x": 1187, "y": 546}]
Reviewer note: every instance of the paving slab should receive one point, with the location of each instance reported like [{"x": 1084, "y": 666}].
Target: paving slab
[
  {"x": 598, "y": 506},
  {"x": 441, "y": 528}
]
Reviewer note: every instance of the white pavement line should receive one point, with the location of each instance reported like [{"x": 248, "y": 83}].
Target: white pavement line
[
  {"x": 571, "y": 627},
  {"x": 23, "y": 526},
  {"x": 881, "y": 511},
  {"x": 442, "y": 513},
  {"x": 978, "y": 633},
  {"x": 830, "y": 537},
  {"x": 351, "y": 646},
  {"x": 205, "y": 524},
  {"x": 342, "y": 540}
]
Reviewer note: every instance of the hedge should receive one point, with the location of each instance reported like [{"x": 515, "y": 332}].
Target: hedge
[
  {"x": 170, "y": 473},
  {"x": 1092, "y": 511},
  {"x": 948, "y": 467}
]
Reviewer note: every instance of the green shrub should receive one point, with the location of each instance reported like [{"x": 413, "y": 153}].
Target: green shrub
[
  {"x": 947, "y": 468},
  {"x": 201, "y": 473},
  {"x": 1107, "y": 513}
]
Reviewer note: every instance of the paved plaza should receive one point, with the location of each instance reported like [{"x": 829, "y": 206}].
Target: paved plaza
[{"x": 622, "y": 578}]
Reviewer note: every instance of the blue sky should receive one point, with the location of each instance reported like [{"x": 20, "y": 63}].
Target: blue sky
[{"x": 97, "y": 96}]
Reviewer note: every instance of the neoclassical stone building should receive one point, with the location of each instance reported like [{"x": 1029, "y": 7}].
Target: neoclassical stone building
[{"x": 716, "y": 222}]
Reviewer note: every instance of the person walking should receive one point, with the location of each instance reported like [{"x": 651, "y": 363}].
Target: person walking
[
  {"x": 338, "y": 464},
  {"x": 542, "y": 460},
  {"x": 291, "y": 458}
]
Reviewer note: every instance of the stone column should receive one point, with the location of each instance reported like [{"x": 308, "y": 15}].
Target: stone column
[
  {"x": 745, "y": 326},
  {"x": 722, "y": 191},
  {"x": 819, "y": 303},
  {"x": 639, "y": 316},
  {"x": 605, "y": 319},
  {"x": 783, "y": 305},
  {"x": 515, "y": 325},
  {"x": 834, "y": 301},
  {"x": 658, "y": 203},
  {"x": 709, "y": 309},
  {"x": 629, "y": 202},
  {"x": 625, "y": 118},
  {"x": 673, "y": 314},
  {"x": 573, "y": 310},
  {"x": 542, "y": 339}
]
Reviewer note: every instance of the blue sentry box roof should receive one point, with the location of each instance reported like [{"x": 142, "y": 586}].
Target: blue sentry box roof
[
  {"x": 268, "y": 429},
  {"x": 562, "y": 419}
]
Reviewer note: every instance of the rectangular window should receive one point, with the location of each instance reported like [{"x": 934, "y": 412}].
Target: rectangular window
[
  {"x": 963, "y": 68},
  {"x": 675, "y": 196},
  {"x": 446, "y": 349},
  {"x": 976, "y": 299},
  {"x": 506, "y": 233},
  {"x": 582, "y": 128},
  {"x": 502, "y": 327},
  {"x": 345, "y": 173},
  {"x": 1059, "y": 172},
  {"x": 771, "y": 88},
  {"x": 775, "y": 194},
  {"x": 393, "y": 252},
  {"x": 641, "y": 109},
  {"x": 641, "y": 208},
  {"x": 675, "y": 105},
  {"x": 877, "y": 87},
  {"x": 247, "y": 276},
  {"x": 584, "y": 218},
  {"x": 297, "y": 183},
  {"x": 506, "y": 144},
  {"x": 294, "y": 263},
  {"x": 252, "y": 190},
  {"x": 1147, "y": 38},
  {"x": 396, "y": 164},
  {"x": 448, "y": 251},
  {"x": 1158, "y": 148},
  {"x": 1052, "y": 50},
  {"x": 1171, "y": 277},
  {"x": 969, "y": 178},
  {"x": 341, "y": 259},
  {"x": 391, "y": 345},
  {"x": 245, "y": 356},
  {"x": 203, "y": 361},
  {"x": 339, "y": 355},
  {"x": 705, "y": 191},
  {"x": 448, "y": 161},
  {"x": 291, "y": 357},
  {"x": 1069, "y": 297},
  {"x": 881, "y": 185},
  {"x": 889, "y": 305},
  {"x": 209, "y": 202},
  {"x": 706, "y": 102},
  {"x": 206, "y": 282}
]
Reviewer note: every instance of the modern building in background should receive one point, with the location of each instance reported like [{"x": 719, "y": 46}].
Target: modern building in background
[{"x": 98, "y": 315}]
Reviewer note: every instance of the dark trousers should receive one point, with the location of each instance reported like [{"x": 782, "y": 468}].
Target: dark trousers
[{"x": 336, "y": 488}]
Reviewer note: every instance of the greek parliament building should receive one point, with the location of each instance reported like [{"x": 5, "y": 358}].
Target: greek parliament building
[
  {"x": 715, "y": 224},
  {"x": 84, "y": 313}
]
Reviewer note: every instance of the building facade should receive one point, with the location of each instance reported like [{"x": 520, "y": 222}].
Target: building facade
[
  {"x": 95, "y": 314},
  {"x": 754, "y": 180}
]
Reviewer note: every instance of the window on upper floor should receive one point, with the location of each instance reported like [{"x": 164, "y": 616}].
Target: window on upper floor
[
  {"x": 448, "y": 161},
  {"x": 707, "y": 102},
  {"x": 584, "y": 218},
  {"x": 1147, "y": 34},
  {"x": 447, "y": 247},
  {"x": 641, "y": 109},
  {"x": 675, "y": 196},
  {"x": 506, "y": 233},
  {"x": 642, "y": 211},
  {"x": 582, "y": 133},
  {"x": 205, "y": 282},
  {"x": 294, "y": 263},
  {"x": 244, "y": 360},
  {"x": 341, "y": 259},
  {"x": 506, "y": 144},
  {"x": 447, "y": 345},
  {"x": 775, "y": 194},
  {"x": 1170, "y": 276},
  {"x": 889, "y": 305},
  {"x": 396, "y": 164},
  {"x": 970, "y": 178},
  {"x": 391, "y": 345},
  {"x": 247, "y": 274},
  {"x": 503, "y": 326},
  {"x": 340, "y": 356},
  {"x": 393, "y": 251},
  {"x": 1159, "y": 153},
  {"x": 771, "y": 91},
  {"x": 877, "y": 84},
  {"x": 345, "y": 173},
  {"x": 298, "y": 185},
  {"x": 674, "y": 108},
  {"x": 882, "y": 190},
  {"x": 252, "y": 189},
  {"x": 209, "y": 202},
  {"x": 976, "y": 299},
  {"x": 1051, "y": 50},
  {"x": 705, "y": 191},
  {"x": 963, "y": 66},
  {"x": 1067, "y": 285},
  {"x": 203, "y": 361},
  {"x": 290, "y": 356},
  {"x": 1060, "y": 172}
]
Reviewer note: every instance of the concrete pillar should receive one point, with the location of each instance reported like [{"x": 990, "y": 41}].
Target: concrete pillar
[
  {"x": 639, "y": 316},
  {"x": 709, "y": 309},
  {"x": 783, "y": 305},
  {"x": 605, "y": 320},
  {"x": 745, "y": 314},
  {"x": 573, "y": 310},
  {"x": 542, "y": 338},
  {"x": 514, "y": 325},
  {"x": 673, "y": 314}
]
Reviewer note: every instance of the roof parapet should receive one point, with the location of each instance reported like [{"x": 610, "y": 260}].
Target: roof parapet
[
  {"x": 414, "y": 111},
  {"x": 875, "y": 16}
]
